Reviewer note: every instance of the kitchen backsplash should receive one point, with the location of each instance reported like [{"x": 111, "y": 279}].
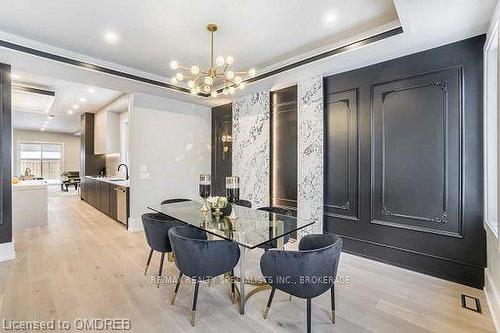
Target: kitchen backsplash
[{"x": 112, "y": 162}]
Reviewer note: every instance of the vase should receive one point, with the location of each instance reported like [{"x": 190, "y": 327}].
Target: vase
[{"x": 217, "y": 212}]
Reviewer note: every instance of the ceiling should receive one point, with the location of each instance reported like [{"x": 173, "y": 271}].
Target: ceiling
[
  {"x": 147, "y": 35},
  {"x": 31, "y": 111},
  {"x": 256, "y": 33}
]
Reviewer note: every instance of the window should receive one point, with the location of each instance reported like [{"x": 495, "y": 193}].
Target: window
[
  {"x": 41, "y": 159},
  {"x": 490, "y": 133}
]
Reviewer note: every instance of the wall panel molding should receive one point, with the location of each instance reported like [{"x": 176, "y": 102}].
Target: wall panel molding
[
  {"x": 439, "y": 108},
  {"x": 420, "y": 162},
  {"x": 342, "y": 166}
]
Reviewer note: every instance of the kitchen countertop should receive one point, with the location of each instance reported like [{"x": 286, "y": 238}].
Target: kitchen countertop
[
  {"x": 112, "y": 180},
  {"x": 30, "y": 184}
]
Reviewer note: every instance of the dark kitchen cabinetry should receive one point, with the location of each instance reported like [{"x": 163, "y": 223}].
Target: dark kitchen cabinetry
[
  {"x": 104, "y": 190},
  {"x": 83, "y": 189},
  {"x": 90, "y": 164},
  {"x": 112, "y": 202},
  {"x": 103, "y": 196}
]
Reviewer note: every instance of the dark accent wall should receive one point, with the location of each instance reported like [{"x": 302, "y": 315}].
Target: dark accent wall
[
  {"x": 403, "y": 161},
  {"x": 6, "y": 155},
  {"x": 283, "y": 136},
  {"x": 222, "y": 125},
  {"x": 90, "y": 164}
]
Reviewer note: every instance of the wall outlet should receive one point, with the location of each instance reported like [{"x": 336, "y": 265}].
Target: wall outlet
[
  {"x": 144, "y": 175},
  {"x": 144, "y": 168}
]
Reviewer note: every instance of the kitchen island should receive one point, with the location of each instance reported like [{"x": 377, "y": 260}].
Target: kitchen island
[{"x": 29, "y": 204}]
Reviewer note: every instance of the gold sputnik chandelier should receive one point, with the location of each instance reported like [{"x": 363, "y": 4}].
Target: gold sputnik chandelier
[{"x": 220, "y": 75}]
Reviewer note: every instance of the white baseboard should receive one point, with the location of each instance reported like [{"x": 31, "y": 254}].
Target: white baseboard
[
  {"x": 135, "y": 224},
  {"x": 493, "y": 298},
  {"x": 7, "y": 251}
]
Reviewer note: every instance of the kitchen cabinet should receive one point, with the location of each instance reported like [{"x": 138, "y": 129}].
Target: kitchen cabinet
[
  {"x": 83, "y": 189},
  {"x": 103, "y": 195},
  {"x": 104, "y": 191},
  {"x": 91, "y": 192},
  {"x": 90, "y": 164},
  {"x": 113, "y": 213},
  {"x": 107, "y": 133}
]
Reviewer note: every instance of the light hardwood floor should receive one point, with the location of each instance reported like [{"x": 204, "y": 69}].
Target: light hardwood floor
[{"x": 85, "y": 265}]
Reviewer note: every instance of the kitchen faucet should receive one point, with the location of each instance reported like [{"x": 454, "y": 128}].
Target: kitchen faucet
[{"x": 126, "y": 169}]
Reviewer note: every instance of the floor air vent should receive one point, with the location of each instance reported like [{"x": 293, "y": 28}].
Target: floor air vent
[{"x": 471, "y": 303}]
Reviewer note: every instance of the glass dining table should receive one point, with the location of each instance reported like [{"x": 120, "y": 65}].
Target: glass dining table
[{"x": 251, "y": 229}]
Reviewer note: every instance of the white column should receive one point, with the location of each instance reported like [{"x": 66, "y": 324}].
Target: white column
[{"x": 251, "y": 144}]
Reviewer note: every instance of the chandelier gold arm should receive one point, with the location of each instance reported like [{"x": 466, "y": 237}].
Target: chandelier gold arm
[
  {"x": 220, "y": 69},
  {"x": 212, "y": 28}
]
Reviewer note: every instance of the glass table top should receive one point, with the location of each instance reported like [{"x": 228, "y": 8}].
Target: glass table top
[{"x": 251, "y": 229}]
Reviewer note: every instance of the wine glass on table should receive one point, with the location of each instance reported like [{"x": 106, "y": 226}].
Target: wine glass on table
[
  {"x": 233, "y": 193},
  {"x": 204, "y": 190}
]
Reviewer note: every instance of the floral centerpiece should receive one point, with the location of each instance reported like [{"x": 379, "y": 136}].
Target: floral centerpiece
[{"x": 217, "y": 203}]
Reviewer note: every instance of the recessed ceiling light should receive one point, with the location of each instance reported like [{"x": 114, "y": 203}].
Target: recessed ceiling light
[
  {"x": 14, "y": 76},
  {"x": 75, "y": 106},
  {"x": 44, "y": 125},
  {"x": 111, "y": 37},
  {"x": 46, "y": 122},
  {"x": 330, "y": 18},
  {"x": 83, "y": 100},
  {"x": 70, "y": 111},
  {"x": 42, "y": 129},
  {"x": 91, "y": 90}
]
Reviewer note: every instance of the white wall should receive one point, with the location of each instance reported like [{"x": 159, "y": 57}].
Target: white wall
[
  {"x": 492, "y": 273},
  {"x": 172, "y": 140},
  {"x": 114, "y": 160},
  {"x": 71, "y": 153}
]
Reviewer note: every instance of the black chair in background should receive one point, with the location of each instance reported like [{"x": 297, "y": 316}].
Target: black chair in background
[
  {"x": 306, "y": 273},
  {"x": 156, "y": 228},
  {"x": 169, "y": 201},
  {"x": 70, "y": 178},
  {"x": 287, "y": 227},
  {"x": 201, "y": 259},
  {"x": 244, "y": 203}
]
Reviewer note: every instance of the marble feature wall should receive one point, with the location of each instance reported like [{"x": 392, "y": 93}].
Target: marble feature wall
[
  {"x": 251, "y": 147},
  {"x": 310, "y": 154}
]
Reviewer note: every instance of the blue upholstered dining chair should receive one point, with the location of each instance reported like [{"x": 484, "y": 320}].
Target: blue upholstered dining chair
[
  {"x": 282, "y": 211},
  {"x": 156, "y": 228},
  {"x": 169, "y": 201},
  {"x": 306, "y": 273},
  {"x": 201, "y": 259},
  {"x": 244, "y": 203}
]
